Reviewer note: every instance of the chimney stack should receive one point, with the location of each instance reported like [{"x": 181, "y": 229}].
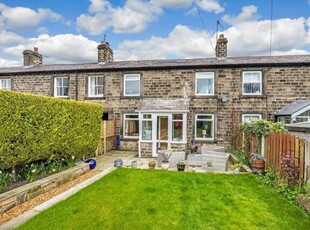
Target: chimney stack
[
  {"x": 221, "y": 47},
  {"x": 105, "y": 53},
  {"x": 32, "y": 57}
]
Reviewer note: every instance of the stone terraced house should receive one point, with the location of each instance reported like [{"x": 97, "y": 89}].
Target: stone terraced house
[{"x": 161, "y": 103}]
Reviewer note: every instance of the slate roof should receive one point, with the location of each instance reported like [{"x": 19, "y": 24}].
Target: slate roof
[
  {"x": 293, "y": 108},
  {"x": 288, "y": 60}
]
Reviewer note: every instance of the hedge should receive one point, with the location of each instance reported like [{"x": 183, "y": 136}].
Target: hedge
[{"x": 34, "y": 128}]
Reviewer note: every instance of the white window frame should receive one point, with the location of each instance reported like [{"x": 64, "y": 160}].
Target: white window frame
[
  {"x": 252, "y": 115},
  {"x": 212, "y": 129},
  {"x": 126, "y": 80},
  {"x": 55, "y": 87},
  {"x": 7, "y": 81},
  {"x": 131, "y": 119},
  {"x": 96, "y": 86},
  {"x": 142, "y": 118},
  {"x": 204, "y": 75},
  {"x": 260, "y": 82}
]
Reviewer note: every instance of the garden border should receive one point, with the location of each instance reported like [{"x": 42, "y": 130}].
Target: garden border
[{"x": 29, "y": 191}]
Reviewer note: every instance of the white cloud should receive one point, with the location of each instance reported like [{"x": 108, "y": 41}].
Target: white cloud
[
  {"x": 60, "y": 49},
  {"x": 210, "y": 5},
  {"x": 247, "y": 14},
  {"x": 172, "y": 3},
  {"x": 290, "y": 36},
  {"x": 8, "y": 63},
  {"x": 134, "y": 16},
  {"x": 9, "y": 38},
  {"x": 21, "y": 18}
]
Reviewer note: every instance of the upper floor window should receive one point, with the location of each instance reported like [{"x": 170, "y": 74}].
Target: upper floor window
[
  {"x": 132, "y": 85},
  {"x": 61, "y": 86},
  {"x": 95, "y": 86},
  {"x": 252, "y": 83},
  {"x": 5, "y": 84},
  {"x": 204, "y": 126},
  {"x": 204, "y": 83},
  {"x": 249, "y": 117}
]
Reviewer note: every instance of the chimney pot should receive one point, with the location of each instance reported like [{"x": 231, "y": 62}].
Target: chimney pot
[{"x": 36, "y": 49}]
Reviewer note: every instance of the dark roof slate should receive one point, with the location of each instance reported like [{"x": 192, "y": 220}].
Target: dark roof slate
[
  {"x": 293, "y": 108},
  {"x": 165, "y": 64}
]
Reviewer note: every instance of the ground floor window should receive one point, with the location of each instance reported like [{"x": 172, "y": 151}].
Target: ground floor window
[
  {"x": 147, "y": 127},
  {"x": 204, "y": 126},
  {"x": 131, "y": 125},
  {"x": 249, "y": 117},
  {"x": 177, "y": 127}
]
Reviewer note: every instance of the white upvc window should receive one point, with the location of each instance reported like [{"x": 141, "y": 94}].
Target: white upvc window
[
  {"x": 132, "y": 85},
  {"x": 252, "y": 83},
  {"x": 204, "y": 83},
  {"x": 6, "y": 84},
  {"x": 95, "y": 86},
  {"x": 131, "y": 126},
  {"x": 147, "y": 124},
  {"x": 204, "y": 126},
  {"x": 61, "y": 87},
  {"x": 177, "y": 127},
  {"x": 247, "y": 118}
]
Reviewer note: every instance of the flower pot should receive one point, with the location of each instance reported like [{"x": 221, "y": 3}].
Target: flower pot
[
  {"x": 165, "y": 165},
  {"x": 152, "y": 164},
  {"x": 181, "y": 166},
  {"x": 258, "y": 166}
]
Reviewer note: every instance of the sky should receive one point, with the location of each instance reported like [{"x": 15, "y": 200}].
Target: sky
[{"x": 69, "y": 31}]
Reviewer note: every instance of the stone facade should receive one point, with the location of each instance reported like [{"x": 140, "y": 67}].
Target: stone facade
[{"x": 283, "y": 82}]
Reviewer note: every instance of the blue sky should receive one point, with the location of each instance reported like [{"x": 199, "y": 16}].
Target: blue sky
[{"x": 69, "y": 31}]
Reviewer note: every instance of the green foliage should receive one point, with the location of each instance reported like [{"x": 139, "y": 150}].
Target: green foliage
[
  {"x": 242, "y": 156},
  {"x": 6, "y": 179},
  {"x": 41, "y": 128},
  {"x": 260, "y": 128}
]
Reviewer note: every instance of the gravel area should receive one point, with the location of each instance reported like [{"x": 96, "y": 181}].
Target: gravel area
[{"x": 22, "y": 208}]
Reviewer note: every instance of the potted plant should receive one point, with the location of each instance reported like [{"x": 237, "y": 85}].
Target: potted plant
[
  {"x": 152, "y": 164},
  {"x": 165, "y": 162},
  {"x": 257, "y": 162},
  {"x": 181, "y": 165},
  {"x": 236, "y": 167}
]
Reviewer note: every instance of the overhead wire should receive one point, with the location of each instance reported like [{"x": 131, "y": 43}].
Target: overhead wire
[{"x": 204, "y": 25}]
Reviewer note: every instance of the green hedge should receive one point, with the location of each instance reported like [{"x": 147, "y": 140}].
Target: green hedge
[{"x": 36, "y": 128}]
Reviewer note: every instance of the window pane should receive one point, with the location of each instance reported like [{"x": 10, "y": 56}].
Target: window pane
[
  {"x": 177, "y": 131},
  {"x": 132, "y": 128},
  {"x": 251, "y": 88},
  {"x": 208, "y": 117},
  {"x": 147, "y": 116},
  {"x": 177, "y": 116},
  {"x": 132, "y": 77},
  {"x": 251, "y": 77},
  {"x": 132, "y": 87},
  {"x": 146, "y": 130},
  {"x": 204, "y": 129},
  {"x": 65, "y": 81},
  {"x": 132, "y": 116},
  {"x": 204, "y": 86}
]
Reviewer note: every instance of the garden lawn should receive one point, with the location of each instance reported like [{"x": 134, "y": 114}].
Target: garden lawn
[{"x": 153, "y": 199}]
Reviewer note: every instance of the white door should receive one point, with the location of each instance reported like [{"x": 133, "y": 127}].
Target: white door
[{"x": 162, "y": 132}]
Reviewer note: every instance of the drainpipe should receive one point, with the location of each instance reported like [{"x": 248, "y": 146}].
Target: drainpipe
[
  {"x": 76, "y": 86},
  {"x": 114, "y": 139}
]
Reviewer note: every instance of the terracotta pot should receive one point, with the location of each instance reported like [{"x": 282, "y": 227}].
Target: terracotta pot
[
  {"x": 152, "y": 164},
  {"x": 258, "y": 166}
]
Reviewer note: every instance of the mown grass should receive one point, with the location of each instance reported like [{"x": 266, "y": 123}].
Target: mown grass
[{"x": 146, "y": 199}]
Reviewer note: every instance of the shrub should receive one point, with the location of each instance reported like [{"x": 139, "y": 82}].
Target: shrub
[{"x": 37, "y": 128}]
